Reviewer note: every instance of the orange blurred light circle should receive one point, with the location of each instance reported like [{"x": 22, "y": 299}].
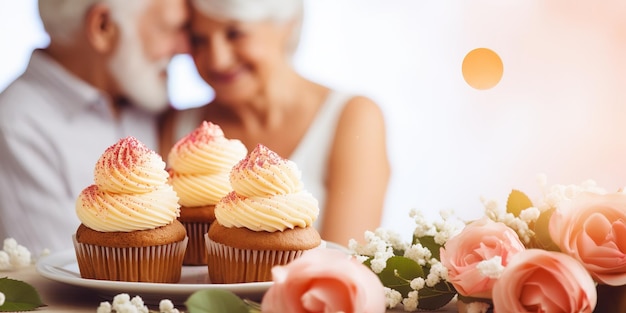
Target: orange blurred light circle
[{"x": 482, "y": 68}]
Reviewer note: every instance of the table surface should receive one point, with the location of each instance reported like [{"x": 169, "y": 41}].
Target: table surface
[{"x": 61, "y": 297}]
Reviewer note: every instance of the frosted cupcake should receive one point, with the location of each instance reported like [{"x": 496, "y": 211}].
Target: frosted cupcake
[
  {"x": 129, "y": 229},
  {"x": 266, "y": 221},
  {"x": 199, "y": 167}
]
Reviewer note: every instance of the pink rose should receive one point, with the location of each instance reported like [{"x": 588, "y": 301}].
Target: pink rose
[
  {"x": 544, "y": 281},
  {"x": 479, "y": 241},
  {"x": 592, "y": 229},
  {"x": 324, "y": 280}
]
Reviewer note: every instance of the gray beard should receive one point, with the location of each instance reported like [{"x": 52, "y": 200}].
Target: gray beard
[{"x": 139, "y": 79}]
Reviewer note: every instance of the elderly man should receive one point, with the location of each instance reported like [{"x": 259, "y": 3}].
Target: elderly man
[{"x": 103, "y": 77}]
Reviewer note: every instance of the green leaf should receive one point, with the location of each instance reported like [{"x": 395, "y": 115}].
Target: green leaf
[
  {"x": 517, "y": 202},
  {"x": 19, "y": 296},
  {"x": 432, "y": 298},
  {"x": 407, "y": 270},
  {"x": 542, "y": 238},
  {"x": 215, "y": 301}
]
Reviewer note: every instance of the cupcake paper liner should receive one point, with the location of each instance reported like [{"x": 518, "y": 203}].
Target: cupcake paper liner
[
  {"x": 196, "y": 253},
  {"x": 156, "y": 264},
  {"x": 227, "y": 265}
]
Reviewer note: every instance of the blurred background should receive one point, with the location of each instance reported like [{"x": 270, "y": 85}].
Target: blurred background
[{"x": 559, "y": 108}]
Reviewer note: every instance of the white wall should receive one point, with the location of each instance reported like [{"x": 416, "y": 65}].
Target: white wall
[
  {"x": 558, "y": 109},
  {"x": 20, "y": 31}
]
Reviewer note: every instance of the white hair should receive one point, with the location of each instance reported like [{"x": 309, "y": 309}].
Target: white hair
[
  {"x": 250, "y": 10},
  {"x": 62, "y": 19},
  {"x": 255, "y": 11}
]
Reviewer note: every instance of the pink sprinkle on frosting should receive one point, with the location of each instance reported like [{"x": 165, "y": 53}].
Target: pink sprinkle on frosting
[
  {"x": 205, "y": 133},
  {"x": 261, "y": 156},
  {"x": 126, "y": 153}
]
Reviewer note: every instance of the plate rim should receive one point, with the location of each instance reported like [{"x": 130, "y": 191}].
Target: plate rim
[{"x": 52, "y": 267}]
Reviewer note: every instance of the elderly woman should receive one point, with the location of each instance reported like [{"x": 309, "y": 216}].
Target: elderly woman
[{"x": 243, "y": 50}]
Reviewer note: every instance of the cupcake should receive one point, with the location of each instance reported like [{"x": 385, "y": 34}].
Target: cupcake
[
  {"x": 129, "y": 229},
  {"x": 199, "y": 167},
  {"x": 265, "y": 221}
]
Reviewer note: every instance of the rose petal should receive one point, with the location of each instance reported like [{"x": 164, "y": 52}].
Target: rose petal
[
  {"x": 322, "y": 280},
  {"x": 534, "y": 297},
  {"x": 479, "y": 241},
  {"x": 619, "y": 235},
  {"x": 544, "y": 281},
  {"x": 327, "y": 295},
  {"x": 597, "y": 227},
  {"x": 591, "y": 228},
  {"x": 541, "y": 288}
]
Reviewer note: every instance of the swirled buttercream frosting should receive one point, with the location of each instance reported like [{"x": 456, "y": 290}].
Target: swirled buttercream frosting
[
  {"x": 200, "y": 164},
  {"x": 268, "y": 195},
  {"x": 130, "y": 192}
]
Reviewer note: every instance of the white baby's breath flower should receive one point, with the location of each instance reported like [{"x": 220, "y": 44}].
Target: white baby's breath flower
[
  {"x": 438, "y": 268},
  {"x": 477, "y": 307},
  {"x": 105, "y": 307},
  {"x": 377, "y": 247},
  {"x": 514, "y": 222},
  {"x": 120, "y": 299},
  {"x": 449, "y": 228},
  {"x": 138, "y": 303},
  {"x": 418, "y": 283},
  {"x": 392, "y": 238},
  {"x": 518, "y": 224},
  {"x": 373, "y": 244},
  {"x": 437, "y": 273},
  {"x": 2, "y": 298},
  {"x": 418, "y": 253},
  {"x": 392, "y": 297},
  {"x": 530, "y": 215},
  {"x": 423, "y": 227},
  {"x": 378, "y": 265},
  {"x": 491, "y": 268},
  {"x": 5, "y": 261},
  {"x": 361, "y": 258},
  {"x": 555, "y": 195},
  {"x": 126, "y": 307},
  {"x": 13, "y": 255},
  {"x": 490, "y": 205},
  {"x": 432, "y": 279},
  {"x": 410, "y": 303},
  {"x": 446, "y": 214},
  {"x": 166, "y": 306},
  {"x": 353, "y": 245},
  {"x": 10, "y": 245},
  {"x": 20, "y": 257}
]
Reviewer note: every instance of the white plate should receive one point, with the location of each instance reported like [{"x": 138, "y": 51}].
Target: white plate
[{"x": 62, "y": 267}]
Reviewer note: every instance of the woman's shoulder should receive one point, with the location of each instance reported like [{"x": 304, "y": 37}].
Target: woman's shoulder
[
  {"x": 358, "y": 107},
  {"x": 361, "y": 101},
  {"x": 341, "y": 101}
]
